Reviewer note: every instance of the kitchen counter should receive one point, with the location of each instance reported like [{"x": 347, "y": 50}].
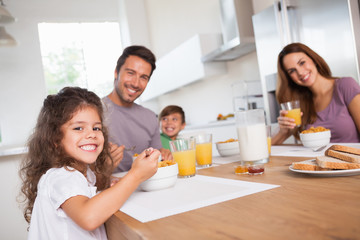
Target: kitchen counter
[
  {"x": 227, "y": 122},
  {"x": 12, "y": 150},
  {"x": 303, "y": 207}
]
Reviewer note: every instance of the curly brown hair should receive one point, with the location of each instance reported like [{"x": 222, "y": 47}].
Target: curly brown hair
[{"x": 45, "y": 150}]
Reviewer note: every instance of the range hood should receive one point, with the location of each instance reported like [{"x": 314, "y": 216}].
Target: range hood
[{"x": 237, "y": 31}]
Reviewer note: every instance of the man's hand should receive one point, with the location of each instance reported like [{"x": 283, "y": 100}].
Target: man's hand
[
  {"x": 117, "y": 153},
  {"x": 165, "y": 154}
]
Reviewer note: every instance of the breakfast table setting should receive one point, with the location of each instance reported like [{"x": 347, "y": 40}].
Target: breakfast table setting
[
  {"x": 216, "y": 203},
  {"x": 253, "y": 190}
]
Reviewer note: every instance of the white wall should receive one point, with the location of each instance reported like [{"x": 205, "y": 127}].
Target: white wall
[{"x": 204, "y": 100}]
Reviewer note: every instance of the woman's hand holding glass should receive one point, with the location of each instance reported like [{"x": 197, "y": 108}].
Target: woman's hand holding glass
[
  {"x": 287, "y": 125},
  {"x": 286, "y": 122}
]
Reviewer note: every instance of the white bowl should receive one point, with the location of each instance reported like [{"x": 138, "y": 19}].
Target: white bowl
[
  {"x": 228, "y": 148},
  {"x": 165, "y": 177},
  {"x": 315, "y": 140}
]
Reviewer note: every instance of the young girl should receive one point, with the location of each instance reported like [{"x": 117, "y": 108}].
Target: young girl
[{"x": 68, "y": 161}]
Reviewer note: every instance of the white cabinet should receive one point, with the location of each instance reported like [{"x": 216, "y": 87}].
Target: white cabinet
[{"x": 183, "y": 66}]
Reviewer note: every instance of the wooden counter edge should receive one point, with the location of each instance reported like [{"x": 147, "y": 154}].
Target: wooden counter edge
[{"x": 119, "y": 230}]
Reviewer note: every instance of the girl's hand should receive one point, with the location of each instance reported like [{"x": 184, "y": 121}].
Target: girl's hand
[{"x": 145, "y": 165}]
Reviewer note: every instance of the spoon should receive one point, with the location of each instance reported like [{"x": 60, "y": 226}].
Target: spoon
[{"x": 319, "y": 149}]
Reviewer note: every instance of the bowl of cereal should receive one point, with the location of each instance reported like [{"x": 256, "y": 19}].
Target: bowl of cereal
[
  {"x": 165, "y": 177},
  {"x": 228, "y": 148},
  {"x": 315, "y": 138}
]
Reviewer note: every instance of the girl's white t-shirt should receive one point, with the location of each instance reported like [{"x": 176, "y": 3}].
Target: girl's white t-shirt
[{"x": 48, "y": 220}]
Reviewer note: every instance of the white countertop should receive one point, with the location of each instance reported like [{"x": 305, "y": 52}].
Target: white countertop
[
  {"x": 230, "y": 121},
  {"x": 12, "y": 150}
]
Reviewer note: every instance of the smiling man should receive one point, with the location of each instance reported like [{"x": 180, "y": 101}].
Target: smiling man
[{"x": 131, "y": 125}]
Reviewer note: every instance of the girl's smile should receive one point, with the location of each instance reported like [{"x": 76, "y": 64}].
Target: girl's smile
[
  {"x": 88, "y": 147},
  {"x": 83, "y": 139}
]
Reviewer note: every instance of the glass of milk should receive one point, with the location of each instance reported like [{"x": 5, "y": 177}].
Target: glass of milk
[{"x": 252, "y": 135}]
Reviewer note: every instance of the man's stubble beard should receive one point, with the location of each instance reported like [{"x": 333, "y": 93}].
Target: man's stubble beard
[{"x": 120, "y": 96}]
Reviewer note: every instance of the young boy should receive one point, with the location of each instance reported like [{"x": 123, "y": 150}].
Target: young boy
[{"x": 172, "y": 121}]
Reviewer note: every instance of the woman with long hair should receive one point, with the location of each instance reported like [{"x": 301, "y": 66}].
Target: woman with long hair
[{"x": 325, "y": 100}]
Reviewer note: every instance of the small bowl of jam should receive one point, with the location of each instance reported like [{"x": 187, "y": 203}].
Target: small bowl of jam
[{"x": 256, "y": 169}]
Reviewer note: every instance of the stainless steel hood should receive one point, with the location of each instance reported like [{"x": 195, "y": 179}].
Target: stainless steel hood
[{"x": 237, "y": 31}]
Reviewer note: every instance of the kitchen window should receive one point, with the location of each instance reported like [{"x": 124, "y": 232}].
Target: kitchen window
[{"x": 80, "y": 54}]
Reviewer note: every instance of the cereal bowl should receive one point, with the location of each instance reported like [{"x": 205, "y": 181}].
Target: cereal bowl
[
  {"x": 228, "y": 148},
  {"x": 315, "y": 140},
  {"x": 165, "y": 177}
]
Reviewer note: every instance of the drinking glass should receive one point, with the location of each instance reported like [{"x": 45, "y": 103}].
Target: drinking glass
[
  {"x": 251, "y": 131},
  {"x": 204, "y": 150},
  {"x": 183, "y": 151},
  {"x": 268, "y": 134},
  {"x": 293, "y": 110}
]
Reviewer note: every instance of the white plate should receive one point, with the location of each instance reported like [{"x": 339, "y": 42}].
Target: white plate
[{"x": 333, "y": 173}]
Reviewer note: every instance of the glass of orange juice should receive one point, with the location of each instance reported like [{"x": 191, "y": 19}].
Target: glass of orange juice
[
  {"x": 268, "y": 133},
  {"x": 293, "y": 110},
  {"x": 204, "y": 150},
  {"x": 183, "y": 151}
]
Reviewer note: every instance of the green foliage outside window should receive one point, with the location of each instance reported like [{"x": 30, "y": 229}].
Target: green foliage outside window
[{"x": 64, "y": 69}]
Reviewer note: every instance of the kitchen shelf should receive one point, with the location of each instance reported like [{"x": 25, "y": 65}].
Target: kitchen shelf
[{"x": 183, "y": 66}]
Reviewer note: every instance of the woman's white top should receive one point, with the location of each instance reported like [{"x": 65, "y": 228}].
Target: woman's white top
[{"x": 48, "y": 220}]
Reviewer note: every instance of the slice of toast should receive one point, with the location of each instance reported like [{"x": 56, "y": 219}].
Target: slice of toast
[
  {"x": 348, "y": 157},
  {"x": 346, "y": 149},
  {"x": 308, "y": 165},
  {"x": 334, "y": 163}
]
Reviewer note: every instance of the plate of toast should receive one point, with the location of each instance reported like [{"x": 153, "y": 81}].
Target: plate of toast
[{"x": 338, "y": 160}]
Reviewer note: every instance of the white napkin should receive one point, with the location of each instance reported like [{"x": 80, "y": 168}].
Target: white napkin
[
  {"x": 188, "y": 194},
  {"x": 301, "y": 151}
]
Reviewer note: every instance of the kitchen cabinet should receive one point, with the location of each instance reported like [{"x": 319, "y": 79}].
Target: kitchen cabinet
[{"x": 183, "y": 66}]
